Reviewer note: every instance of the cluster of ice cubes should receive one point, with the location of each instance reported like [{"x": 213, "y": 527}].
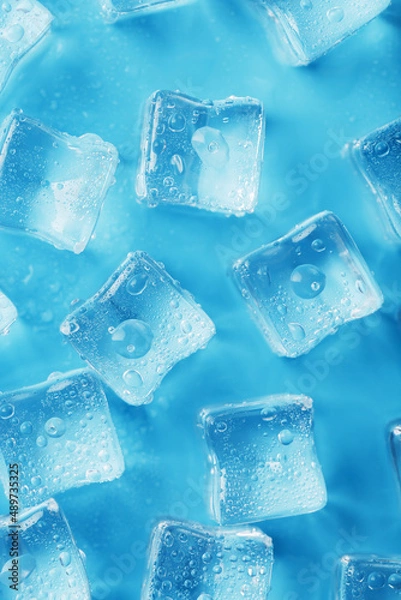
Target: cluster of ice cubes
[{"x": 300, "y": 288}]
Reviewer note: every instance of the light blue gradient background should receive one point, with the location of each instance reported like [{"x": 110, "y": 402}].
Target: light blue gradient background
[{"x": 92, "y": 77}]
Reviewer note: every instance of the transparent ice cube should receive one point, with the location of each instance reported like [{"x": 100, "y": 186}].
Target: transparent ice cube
[
  {"x": 114, "y": 10},
  {"x": 202, "y": 154},
  {"x": 263, "y": 460},
  {"x": 8, "y": 313},
  {"x": 303, "y": 286},
  {"x": 61, "y": 434},
  {"x": 304, "y": 30},
  {"x": 49, "y": 565},
  {"x": 52, "y": 185},
  {"x": 369, "y": 578},
  {"x": 137, "y": 327},
  {"x": 23, "y": 23},
  {"x": 192, "y": 562}
]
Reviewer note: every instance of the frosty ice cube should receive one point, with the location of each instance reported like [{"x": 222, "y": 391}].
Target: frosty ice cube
[
  {"x": 114, "y": 10},
  {"x": 61, "y": 434},
  {"x": 378, "y": 157},
  {"x": 202, "y": 154},
  {"x": 192, "y": 562},
  {"x": 48, "y": 564},
  {"x": 8, "y": 313},
  {"x": 137, "y": 327},
  {"x": 52, "y": 185},
  {"x": 263, "y": 460},
  {"x": 368, "y": 577},
  {"x": 303, "y": 286},
  {"x": 23, "y": 23},
  {"x": 304, "y": 30}
]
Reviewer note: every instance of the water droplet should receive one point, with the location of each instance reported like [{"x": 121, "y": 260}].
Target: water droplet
[
  {"x": 394, "y": 581},
  {"x": 221, "y": 426},
  {"x": 382, "y": 149},
  {"x": 65, "y": 559},
  {"x": 93, "y": 475},
  {"x": 360, "y": 286},
  {"x": 26, "y": 428},
  {"x": 211, "y": 147},
  {"x": 376, "y": 580},
  {"x": 268, "y": 413},
  {"x": 55, "y": 427},
  {"x": 177, "y": 122},
  {"x": 137, "y": 284},
  {"x": 132, "y": 338},
  {"x": 6, "y": 411},
  {"x": 14, "y": 34},
  {"x": 318, "y": 245},
  {"x": 286, "y": 437},
  {"x": 306, "y": 4},
  {"x": 41, "y": 441},
  {"x": 205, "y": 597},
  {"x": 178, "y": 163},
  {"x": 133, "y": 379},
  {"x": 308, "y": 281},
  {"x": 297, "y": 331},
  {"x": 186, "y": 327},
  {"x": 36, "y": 480},
  {"x": 335, "y": 15}
]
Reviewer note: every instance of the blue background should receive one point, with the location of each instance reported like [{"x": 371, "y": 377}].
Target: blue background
[{"x": 92, "y": 77}]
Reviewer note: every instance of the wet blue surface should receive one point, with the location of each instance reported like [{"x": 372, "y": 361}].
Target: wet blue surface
[{"x": 92, "y": 77}]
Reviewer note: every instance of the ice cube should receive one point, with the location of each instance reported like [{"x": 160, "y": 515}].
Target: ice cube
[
  {"x": 202, "y": 154},
  {"x": 61, "y": 434},
  {"x": 137, "y": 327},
  {"x": 23, "y": 23},
  {"x": 304, "y": 30},
  {"x": 368, "y": 577},
  {"x": 378, "y": 157},
  {"x": 263, "y": 460},
  {"x": 192, "y": 562},
  {"x": 303, "y": 286},
  {"x": 52, "y": 185},
  {"x": 114, "y": 10},
  {"x": 8, "y": 313},
  {"x": 48, "y": 565}
]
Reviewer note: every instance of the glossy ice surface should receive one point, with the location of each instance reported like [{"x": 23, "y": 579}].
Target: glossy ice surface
[
  {"x": 263, "y": 460},
  {"x": 203, "y": 154},
  {"x": 8, "y": 313},
  {"x": 303, "y": 286},
  {"x": 58, "y": 197},
  {"x": 191, "y": 562},
  {"x": 368, "y": 578},
  {"x": 122, "y": 9},
  {"x": 137, "y": 327},
  {"x": 378, "y": 156},
  {"x": 61, "y": 434},
  {"x": 22, "y": 24},
  {"x": 50, "y": 566},
  {"x": 304, "y": 30}
]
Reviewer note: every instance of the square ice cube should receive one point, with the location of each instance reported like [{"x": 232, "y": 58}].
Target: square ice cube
[
  {"x": 114, "y": 10},
  {"x": 263, "y": 460},
  {"x": 304, "y": 30},
  {"x": 23, "y": 23},
  {"x": 202, "y": 154},
  {"x": 137, "y": 327},
  {"x": 378, "y": 157},
  {"x": 8, "y": 313},
  {"x": 49, "y": 565},
  {"x": 303, "y": 286},
  {"x": 192, "y": 562},
  {"x": 368, "y": 578},
  {"x": 52, "y": 185},
  {"x": 61, "y": 434}
]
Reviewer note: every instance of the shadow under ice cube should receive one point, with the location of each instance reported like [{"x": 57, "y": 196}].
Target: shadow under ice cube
[
  {"x": 61, "y": 434},
  {"x": 368, "y": 578},
  {"x": 114, "y": 10},
  {"x": 8, "y": 313},
  {"x": 303, "y": 286},
  {"x": 49, "y": 565},
  {"x": 192, "y": 562},
  {"x": 378, "y": 157},
  {"x": 137, "y": 327},
  {"x": 202, "y": 154},
  {"x": 23, "y": 23},
  {"x": 263, "y": 460},
  {"x": 52, "y": 185},
  {"x": 304, "y": 30}
]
